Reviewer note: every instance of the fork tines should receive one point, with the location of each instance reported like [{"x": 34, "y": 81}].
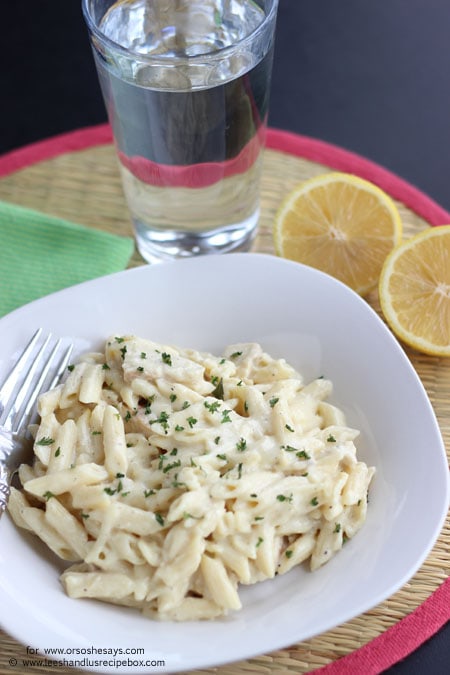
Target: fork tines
[{"x": 39, "y": 368}]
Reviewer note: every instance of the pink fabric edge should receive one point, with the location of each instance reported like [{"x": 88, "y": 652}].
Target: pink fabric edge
[
  {"x": 313, "y": 149},
  {"x": 398, "y": 641},
  {"x": 339, "y": 159},
  {"x": 416, "y": 628},
  {"x": 72, "y": 141}
]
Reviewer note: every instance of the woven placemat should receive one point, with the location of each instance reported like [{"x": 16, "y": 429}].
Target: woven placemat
[{"x": 85, "y": 187}]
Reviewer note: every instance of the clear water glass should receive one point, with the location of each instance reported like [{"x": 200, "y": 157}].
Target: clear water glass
[{"x": 186, "y": 85}]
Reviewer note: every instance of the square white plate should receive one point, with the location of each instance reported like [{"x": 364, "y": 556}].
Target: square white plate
[{"x": 322, "y": 328}]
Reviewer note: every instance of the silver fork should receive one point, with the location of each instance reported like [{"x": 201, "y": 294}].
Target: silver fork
[{"x": 39, "y": 368}]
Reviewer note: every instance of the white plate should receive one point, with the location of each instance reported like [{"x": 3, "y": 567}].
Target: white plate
[{"x": 321, "y": 327}]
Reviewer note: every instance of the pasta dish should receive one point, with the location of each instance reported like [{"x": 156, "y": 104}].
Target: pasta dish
[{"x": 168, "y": 477}]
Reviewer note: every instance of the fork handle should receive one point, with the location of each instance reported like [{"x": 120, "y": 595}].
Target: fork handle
[{"x": 4, "y": 488}]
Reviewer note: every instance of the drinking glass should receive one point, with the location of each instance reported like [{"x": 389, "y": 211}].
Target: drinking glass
[{"x": 186, "y": 86}]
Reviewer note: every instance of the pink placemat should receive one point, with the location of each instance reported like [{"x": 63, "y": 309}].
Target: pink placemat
[
  {"x": 412, "y": 631},
  {"x": 284, "y": 141}
]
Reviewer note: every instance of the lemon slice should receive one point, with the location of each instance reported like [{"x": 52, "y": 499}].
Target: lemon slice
[
  {"x": 340, "y": 224},
  {"x": 414, "y": 291}
]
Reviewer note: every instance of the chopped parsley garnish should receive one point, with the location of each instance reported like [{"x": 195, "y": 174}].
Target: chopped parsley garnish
[
  {"x": 289, "y": 448},
  {"x": 112, "y": 491},
  {"x": 123, "y": 351},
  {"x": 176, "y": 483},
  {"x": 289, "y": 428},
  {"x": 234, "y": 355},
  {"x": 162, "y": 420},
  {"x": 225, "y": 416},
  {"x": 48, "y": 495},
  {"x": 192, "y": 421},
  {"x": 167, "y": 359},
  {"x": 289, "y": 553},
  {"x": 212, "y": 407},
  {"x": 162, "y": 459},
  {"x": 283, "y": 498},
  {"x": 45, "y": 440},
  {"x": 241, "y": 445},
  {"x": 273, "y": 401},
  {"x": 331, "y": 439},
  {"x": 314, "y": 501},
  {"x": 337, "y": 528},
  {"x": 159, "y": 519},
  {"x": 174, "y": 465},
  {"x": 259, "y": 542}
]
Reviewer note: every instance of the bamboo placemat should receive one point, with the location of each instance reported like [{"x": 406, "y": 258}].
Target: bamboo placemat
[{"x": 85, "y": 187}]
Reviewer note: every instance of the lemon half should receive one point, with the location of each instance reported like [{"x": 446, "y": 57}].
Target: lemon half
[
  {"x": 340, "y": 224},
  {"x": 414, "y": 291}
]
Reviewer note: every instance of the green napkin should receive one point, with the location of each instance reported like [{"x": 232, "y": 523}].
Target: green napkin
[{"x": 40, "y": 254}]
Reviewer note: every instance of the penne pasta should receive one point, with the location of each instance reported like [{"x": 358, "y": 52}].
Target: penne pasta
[{"x": 168, "y": 477}]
